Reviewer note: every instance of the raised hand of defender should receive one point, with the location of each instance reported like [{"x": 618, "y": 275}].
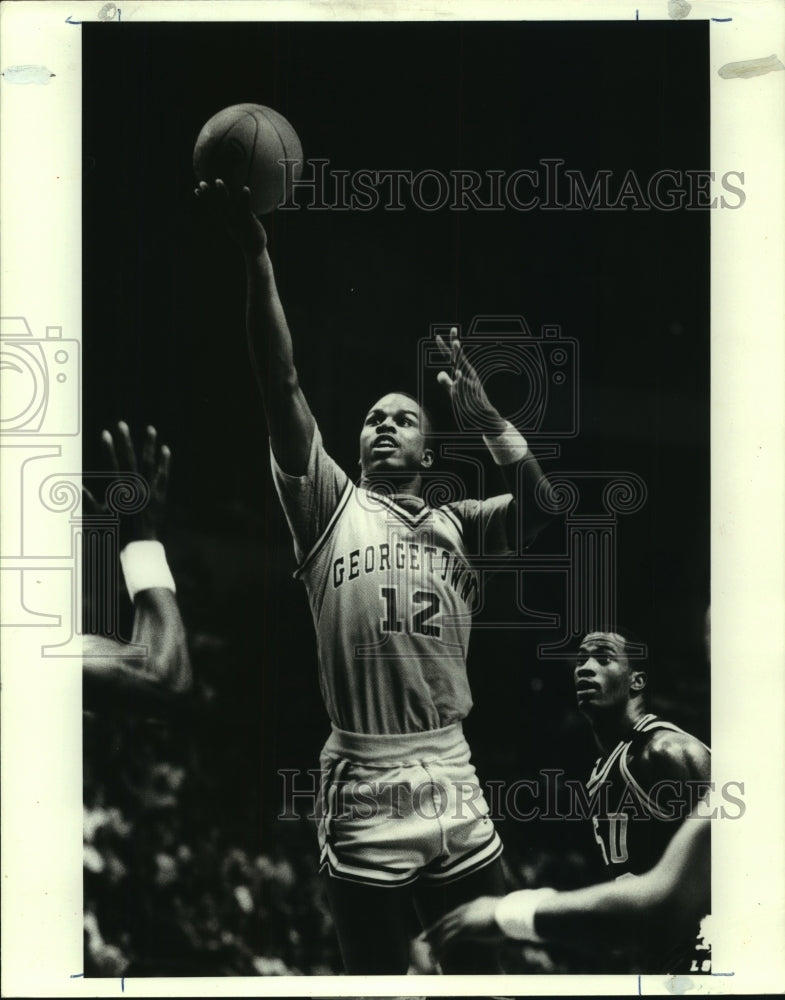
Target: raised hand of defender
[
  {"x": 470, "y": 402},
  {"x": 120, "y": 458},
  {"x": 233, "y": 210}
]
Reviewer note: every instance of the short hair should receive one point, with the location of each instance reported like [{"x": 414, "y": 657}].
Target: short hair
[
  {"x": 430, "y": 425},
  {"x": 637, "y": 653},
  {"x": 635, "y": 649}
]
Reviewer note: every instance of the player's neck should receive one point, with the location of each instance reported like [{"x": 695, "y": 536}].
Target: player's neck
[
  {"x": 393, "y": 485},
  {"x": 611, "y": 729}
]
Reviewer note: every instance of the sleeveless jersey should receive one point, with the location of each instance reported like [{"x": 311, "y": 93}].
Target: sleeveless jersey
[
  {"x": 633, "y": 826},
  {"x": 391, "y": 592}
]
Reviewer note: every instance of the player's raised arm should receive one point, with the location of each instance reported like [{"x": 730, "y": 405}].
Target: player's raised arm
[
  {"x": 112, "y": 677},
  {"x": 289, "y": 420},
  {"x": 519, "y": 467}
]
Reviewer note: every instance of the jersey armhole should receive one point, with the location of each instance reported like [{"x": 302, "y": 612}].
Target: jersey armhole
[{"x": 322, "y": 539}]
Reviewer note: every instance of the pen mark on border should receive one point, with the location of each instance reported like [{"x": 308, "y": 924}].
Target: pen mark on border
[
  {"x": 679, "y": 984},
  {"x": 27, "y": 73},
  {"x": 743, "y": 69},
  {"x": 109, "y": 12},
  {"x": 678, "y": 9}
]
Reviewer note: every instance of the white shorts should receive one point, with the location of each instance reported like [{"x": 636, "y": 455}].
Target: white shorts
[{"x": 397, "y": 808}]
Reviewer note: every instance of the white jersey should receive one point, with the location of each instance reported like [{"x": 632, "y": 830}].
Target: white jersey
[{"x": 391, "y": 591}]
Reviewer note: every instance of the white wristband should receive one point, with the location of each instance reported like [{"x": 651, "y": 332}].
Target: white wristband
[
  {"x": 145, "y": 566},
  {"x": 507, "y": 447},
  {"x": 515, "y": 913}
]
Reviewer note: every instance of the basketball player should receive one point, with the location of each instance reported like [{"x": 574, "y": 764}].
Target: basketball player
[
  {"x": 112, "y": 676},
  {"x": 650, "y": 768},
  {"x": 663, "y": 905},
  {"x": 391, "y": 590},
  {"x": 649, "y": 777}
]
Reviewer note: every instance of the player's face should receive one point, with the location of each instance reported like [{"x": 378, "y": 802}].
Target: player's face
[
  {"x": 603, "y": 676},
  {"x": 393, "y": 437}
]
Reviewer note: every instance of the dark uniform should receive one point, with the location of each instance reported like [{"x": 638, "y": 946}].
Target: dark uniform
[{"x": 633, "y": 825}]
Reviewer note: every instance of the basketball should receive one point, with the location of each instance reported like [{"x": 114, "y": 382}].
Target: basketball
[{"x": 244, "y": 145}]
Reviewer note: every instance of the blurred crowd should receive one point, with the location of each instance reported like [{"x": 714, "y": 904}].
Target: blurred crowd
[
  {"x": 174, "y": 887},
  {"x": 188, "y": 871}
]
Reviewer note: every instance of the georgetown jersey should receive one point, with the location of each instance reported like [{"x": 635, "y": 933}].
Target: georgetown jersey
[{"x": 391, "y": 591}]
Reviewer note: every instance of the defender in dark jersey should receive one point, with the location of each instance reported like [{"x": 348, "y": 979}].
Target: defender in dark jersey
[
  {"x": 391, "y": 589},
  {"x": 650, "y": 774},
  {"x": 645, "y": 789}
]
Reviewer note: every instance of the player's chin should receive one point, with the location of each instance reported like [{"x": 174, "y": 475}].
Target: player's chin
[
  {"x": 376, "y": 462},
  {"x": 588, "y": 701}
]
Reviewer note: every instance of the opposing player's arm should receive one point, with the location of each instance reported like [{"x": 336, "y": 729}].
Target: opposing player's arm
[
  {"x": 161, "y": 674},
  {"x": 148, "y": 682},
  {"x": 521, "y": 471},
  {"x": 289, "y": 419},
  {"x": 664, "y": 904}
]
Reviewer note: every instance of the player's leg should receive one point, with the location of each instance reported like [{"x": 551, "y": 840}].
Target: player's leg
[
  {"x": 435, "y": 899},
  {"x": 373, "y": 925}
]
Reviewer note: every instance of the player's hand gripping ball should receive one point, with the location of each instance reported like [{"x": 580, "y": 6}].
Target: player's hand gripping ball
[{"x": 243, "y": 145}]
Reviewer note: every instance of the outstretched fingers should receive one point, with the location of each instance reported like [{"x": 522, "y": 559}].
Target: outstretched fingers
[
  {"x": 444, "y": 378},
  {"x": 126, "y": 455},
  {"x": 162, "y": 471},
  {"x": 107, "y": 442}
]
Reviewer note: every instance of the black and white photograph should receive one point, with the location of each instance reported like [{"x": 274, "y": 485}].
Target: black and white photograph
[{"x": 407, "y": 457}]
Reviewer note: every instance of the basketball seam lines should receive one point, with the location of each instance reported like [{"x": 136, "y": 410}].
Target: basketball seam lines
[
  {"x": 249, "y": 165},
  {"x": 219, "y": 139},
  {"x": 269, "y": 120}
]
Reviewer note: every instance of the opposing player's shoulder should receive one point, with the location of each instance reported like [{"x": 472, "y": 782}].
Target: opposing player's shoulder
[{"x": 673, "y": 754}]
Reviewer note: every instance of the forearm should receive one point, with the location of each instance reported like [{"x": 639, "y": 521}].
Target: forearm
[
  {"x": 269, "y": 339},
  {"x": 159, "y": 626},
  {"x": 289, "y": 419},
  {"x": 116, "y": 679},
  {"x": 665, "y": 904},
  {"x": 623, "y": 912},
  {"x": 524, "y": 479}
]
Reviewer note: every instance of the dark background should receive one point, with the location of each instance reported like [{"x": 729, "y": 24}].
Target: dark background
[{"x": 164, "y": 343}]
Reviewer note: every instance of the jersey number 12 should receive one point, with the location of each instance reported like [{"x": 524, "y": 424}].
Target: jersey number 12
[{"x": 427, "y": 604}]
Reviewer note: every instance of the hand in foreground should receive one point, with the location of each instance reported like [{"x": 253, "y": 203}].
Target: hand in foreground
[
  {"x": 233, "y": 210},
  {"x": 120, "y": 457},
  {"x": 475, "y": 921},
  {"x": 470, "y": 401}
]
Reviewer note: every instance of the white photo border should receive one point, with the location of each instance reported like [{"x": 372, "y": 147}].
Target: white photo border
[{"x": 40, "y": 208}]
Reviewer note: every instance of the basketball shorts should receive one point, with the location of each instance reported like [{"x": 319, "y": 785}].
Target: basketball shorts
[{"x": 404, "y": 807}]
